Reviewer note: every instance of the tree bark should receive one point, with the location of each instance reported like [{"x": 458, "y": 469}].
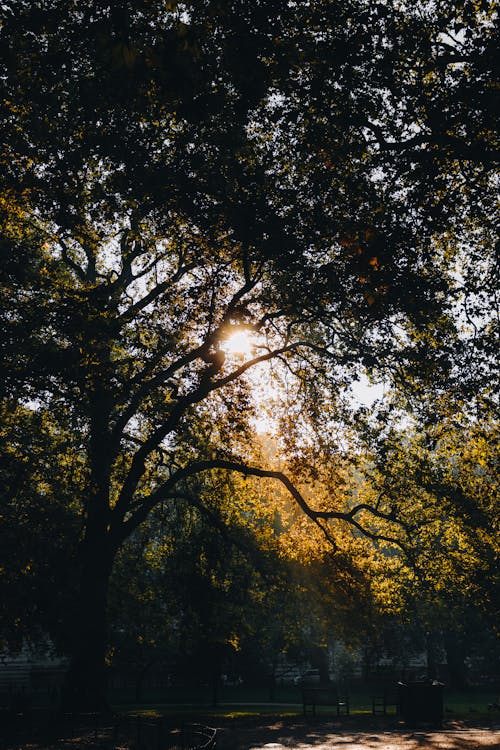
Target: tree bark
[
  {"x": 84, "y": 688},
  {"x": 455, "y": 657}
]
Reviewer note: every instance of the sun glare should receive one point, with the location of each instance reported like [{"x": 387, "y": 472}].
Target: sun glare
[{"x": 239, "y": 343}]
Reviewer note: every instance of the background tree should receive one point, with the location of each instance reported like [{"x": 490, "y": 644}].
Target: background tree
[
  {"x": 175, "y": 174},
  {"x": 37, "y": 571},
  {"x": 441, "y": 482},
  {"x": 228, "y": 583}
]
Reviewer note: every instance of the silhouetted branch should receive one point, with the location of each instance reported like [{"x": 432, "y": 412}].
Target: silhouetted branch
[{"x": 140, "y": 509}]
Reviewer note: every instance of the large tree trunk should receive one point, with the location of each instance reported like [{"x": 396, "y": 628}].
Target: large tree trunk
[
  {"x": 84, "y": 688},
  {"x": 455, "y": 657},
  {"x": 85, "y": 684}
]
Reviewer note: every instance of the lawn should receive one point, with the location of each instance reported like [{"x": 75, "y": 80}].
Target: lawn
[{"x": 285, "y": 701}]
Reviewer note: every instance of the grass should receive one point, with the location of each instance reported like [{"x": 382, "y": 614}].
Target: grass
[{"x": 285, "y": 701}]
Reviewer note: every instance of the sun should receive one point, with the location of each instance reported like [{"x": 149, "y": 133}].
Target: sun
[{"x": 239, "y": 344}]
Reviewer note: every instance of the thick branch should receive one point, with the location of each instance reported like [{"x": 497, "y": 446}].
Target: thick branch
[
  {"x": 78, "y": 270},
  {"x": 141, "y": 509},
  {"x": 157, "y": 380},
  {"x": 271, "y": 354},
  {"x": 206, "y": 386},
  {"x": 422, "y": 145},
  {"x": 159, "y": 289}
]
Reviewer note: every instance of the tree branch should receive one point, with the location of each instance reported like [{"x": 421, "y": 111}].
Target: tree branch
[
  {"x": 142, "y": 508},
  {"x": 205, "y": 387},
  {"x": 78, "y": 270}
]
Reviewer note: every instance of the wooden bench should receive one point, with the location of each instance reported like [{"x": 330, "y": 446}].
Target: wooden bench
[
  {"x": 382, "y": 702},
  {"x": 324, "y": 696}
]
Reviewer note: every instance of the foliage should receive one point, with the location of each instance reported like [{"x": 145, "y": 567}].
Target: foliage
[
  {"x": 38, "y": 568},
  {"x": 439, "y": 574},
  {"x": 224, "y": 587},
  {"x": 173, "y": 174}
]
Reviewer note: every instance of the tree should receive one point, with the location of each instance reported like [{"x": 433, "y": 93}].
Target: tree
[
  {"x": 197, "y": 571},
  {"x": 176, "y": 174},
  {"x": 37, "y": 571},
  {"x": 441, "y": 573},
  {"x": 231, "y": 584}
]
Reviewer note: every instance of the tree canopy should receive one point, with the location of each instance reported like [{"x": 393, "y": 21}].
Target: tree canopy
[{"x": 318, "y": 175}]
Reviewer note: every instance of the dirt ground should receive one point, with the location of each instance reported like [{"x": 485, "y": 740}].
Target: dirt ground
[
  {"x": 273, "y": 733},
  {"x": 278, "y": 735}
]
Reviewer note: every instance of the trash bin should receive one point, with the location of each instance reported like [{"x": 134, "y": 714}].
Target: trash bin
[{"x": 421, "y": 702}]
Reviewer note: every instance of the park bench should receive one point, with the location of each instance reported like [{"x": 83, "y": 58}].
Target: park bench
[
  {"x": 324, "y": 696},
  {"x": 384, "y": 700}
]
